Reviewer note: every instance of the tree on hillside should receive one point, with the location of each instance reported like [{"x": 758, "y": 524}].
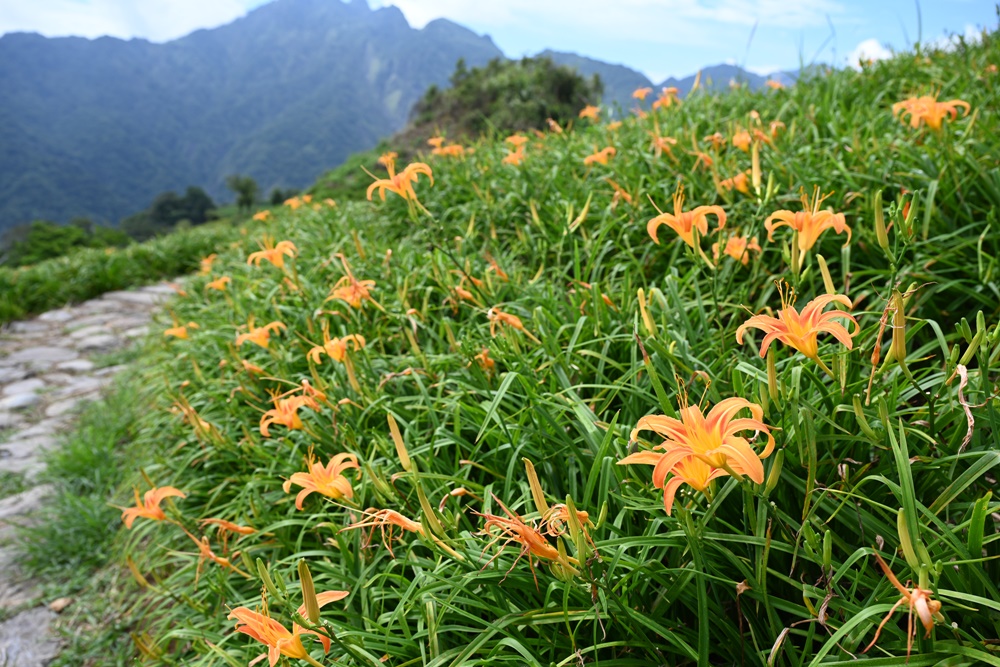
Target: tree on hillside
[
  {"x": 506, "y": 95},
  {"x": 246, "y": 190},
  {"x": 197, "y": 205}
]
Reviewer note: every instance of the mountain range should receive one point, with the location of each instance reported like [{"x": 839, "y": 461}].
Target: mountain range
[{"x": 99, "y": 127}]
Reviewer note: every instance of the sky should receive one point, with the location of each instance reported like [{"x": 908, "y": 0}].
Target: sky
[{"x": 657, "y": 37}]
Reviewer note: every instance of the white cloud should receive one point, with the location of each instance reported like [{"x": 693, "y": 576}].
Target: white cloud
[
  {"x": 156, "y": 20},
  {"x": 971, "y": 34},
  {"x": 870, "y": 49}
]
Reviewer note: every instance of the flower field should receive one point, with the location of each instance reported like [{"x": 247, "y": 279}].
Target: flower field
[{"x": 710, "y": 383}]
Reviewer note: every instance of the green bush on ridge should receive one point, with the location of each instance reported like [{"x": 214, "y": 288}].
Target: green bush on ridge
[{"x": 530, "y": 318}]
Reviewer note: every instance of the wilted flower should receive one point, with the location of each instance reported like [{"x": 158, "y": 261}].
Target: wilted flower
[
  {"x": 918, "y": 600},
  {"x": 382, "y": 518},
  {"x": 498, "y": 317},
  {"x": 717, "y": 140}
]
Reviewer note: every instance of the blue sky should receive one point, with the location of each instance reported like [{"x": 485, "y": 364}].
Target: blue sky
[{"x": 658, "y": 37}]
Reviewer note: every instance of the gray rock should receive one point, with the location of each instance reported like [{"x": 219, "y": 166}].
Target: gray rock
[
  {"x": 22, "y": 503},
  {"x": 148, "y": 298},
  {"x": 81, "y": 385},
  {"x": 62, "y": 407},
  {"x": 136, "y": 332},
  {"x": 13, "y": 373},
  {"x": 98, "y": 342},
  {"x": 85, "y": 332},
  {"x": 76, "y": 365},
  {"x": 27, "y": 640},
  {"x": 25, "y": 447},
  {"x": 24, "y": 387},
  {"x": 42, "y": 355},
  {"x": 19, "y": 401},
  {"x": 59, "y": 315},
  {"x": 56, "y": 379},
  {"x": 109, "y": 370},
  {"x": 89, "y": 320},
  {"x": 28, "y": 327},
  {"x": 9, "y": 420}
]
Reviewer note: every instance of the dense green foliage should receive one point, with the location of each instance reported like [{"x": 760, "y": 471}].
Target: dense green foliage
[
  {"x": 170, "y": 210},
  {"x": 505, "y": 96},
  {"x": 100, "y": 127},
  {"x": 87, "y": 273},
  {"x": 774, "y": 571},
  {"x": 41, "y": 240}
]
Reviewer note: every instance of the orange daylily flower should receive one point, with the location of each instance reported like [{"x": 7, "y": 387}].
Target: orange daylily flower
[
  {"x": 380, "y": 519},
  {"x": 738, "y": 182},
  {"x": 327, "y": 480},
  {"x": 668, "y": 97},
  {"x": 149, "y": 506},
  {"x": 262, "y": 216},
  {"x": 685, "y": 222},
  {"x": 742, "y": 140},
  {"x": 602, "y": 156},
  {"x": 293, "y": 203},
  {"x": 641, "y": 93},
  {"x": 698, "y": 448},
  {"x": 737, "y": 247},
  {"x": 401, "y": 183},
  {"x": 206, "y": 264},
  {"x": 926, "y": 109},
  {"x": 613, "y": 125},
  {"x": 800, "y": 330},
  {"x": 808, "y": 223},
  {"x": 279, "y": 641},
  {"x": 259, "y": 335},
  {"x": 774, "y": 127},
  {"x": 590, "y": 111},
  {"x": 497, "y": 317},
  {"x": 554, "y": 126},
  {"x": 275, "y": 254},
  {"x": 251, "y": 368},
  {"x": 703, "y": 160},
  {"x": 335, "y": 348},
  {"x": 717, "y": 140},
  {"x": 516, "y": 140},
  {"x": 435, "y": 142},
  {"x": 351, "y": 290},
  {"x": 286, "y": 413},
  {"x": 514, "y": 157},
  {"x": 219, "y": 283},
  {"x": 918, "y": 600},
  {"x": 180, "y": 331},
  {"x": 774, "y": 85},
  {"x": 451, "y": 150},
  {"x": 512, "y": 529}
]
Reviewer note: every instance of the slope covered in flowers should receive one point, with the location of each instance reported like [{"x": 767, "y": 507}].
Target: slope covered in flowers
[{"x": 498, "y": 424}]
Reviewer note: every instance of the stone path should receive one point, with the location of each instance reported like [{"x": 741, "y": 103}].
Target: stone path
[{"x": 45, "y": 373}]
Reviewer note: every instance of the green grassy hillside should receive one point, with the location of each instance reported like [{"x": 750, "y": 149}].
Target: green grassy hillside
[{"x": 525, "y": 325}]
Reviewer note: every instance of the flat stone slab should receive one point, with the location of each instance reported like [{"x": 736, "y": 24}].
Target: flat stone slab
[
  {"x": 26, "y": 639},
  {"x": 147, "y": 298},
  {"x": 98, "y": 342},
  {"x": 22, "y": 503},
  {"x": 24, "y": 387},
  {"x": 58, "y": 315},
  {"x": 76, "y": 365},
  {"x": 44, "y": 354},
  {"x": 23, "y": 448},
  {"x": 13, "y": 373},
  {"x": 20, "y": 401}
]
